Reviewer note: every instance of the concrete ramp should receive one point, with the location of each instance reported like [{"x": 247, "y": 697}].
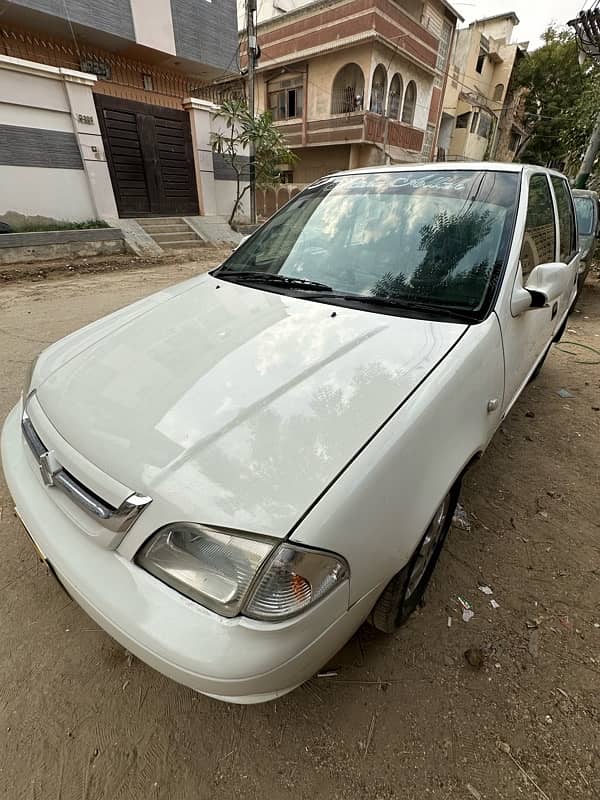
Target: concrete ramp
[{"x": 214, "y": 230}]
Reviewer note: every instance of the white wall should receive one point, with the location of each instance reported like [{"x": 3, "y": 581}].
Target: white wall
[
  {"x": 268, "y": 9},
  {"x": 225, "y": 192},
  {"x": 153, "y": 24},
  {"x": 61, "y": 194},
  {"x": 38, "y": 98}
]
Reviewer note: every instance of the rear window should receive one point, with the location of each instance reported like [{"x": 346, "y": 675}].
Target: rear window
[
  {"x": 584, "y": 208},
  {"x": 566, "y": 219}
]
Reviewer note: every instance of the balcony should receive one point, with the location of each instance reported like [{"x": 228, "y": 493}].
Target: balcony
[
  {"x": 360, "y": 127},
  {"x": 398, "y": 133}
]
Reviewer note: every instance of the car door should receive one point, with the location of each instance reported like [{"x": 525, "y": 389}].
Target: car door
[
  {"x": 568, "y": 243},
  {"x": 527, "y": 335}
]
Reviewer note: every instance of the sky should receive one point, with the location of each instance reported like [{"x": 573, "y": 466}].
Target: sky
[{"x": 534, "y": 15}]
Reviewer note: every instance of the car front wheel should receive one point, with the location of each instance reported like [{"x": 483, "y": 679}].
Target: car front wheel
[{"x": 403, "y": 593}]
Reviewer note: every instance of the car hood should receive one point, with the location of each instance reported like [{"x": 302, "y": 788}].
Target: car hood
[{"x": 237, "y": 405}]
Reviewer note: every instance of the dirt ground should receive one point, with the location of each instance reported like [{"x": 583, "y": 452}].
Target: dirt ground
[{"x": 404, "y": 716}]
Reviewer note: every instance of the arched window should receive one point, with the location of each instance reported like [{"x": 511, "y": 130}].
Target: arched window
[
  {"x": 395, "y": 97},
  {"x": 410, "y": 103},
  {"x": 348, "y": 90},
  {"x": 378, "y": 90},
  {"x": 498, "y": 91}
]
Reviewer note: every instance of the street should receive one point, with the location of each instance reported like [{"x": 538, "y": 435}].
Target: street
[{"x": 405, "y": 716}]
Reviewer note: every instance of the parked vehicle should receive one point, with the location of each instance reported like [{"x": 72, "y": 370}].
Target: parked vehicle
[
  {"x": 588, "y": 226},
  {"x": 231, "y": 475}
]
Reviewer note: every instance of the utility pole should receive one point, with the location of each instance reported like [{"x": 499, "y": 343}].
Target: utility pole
[
  {"x": 590, "y": 156},
  {"x": 252, "y": 50},
  {"x": 587, "y": 30}
]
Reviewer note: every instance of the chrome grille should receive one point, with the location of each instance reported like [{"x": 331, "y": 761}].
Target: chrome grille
[{"x": 55, "y": 475}]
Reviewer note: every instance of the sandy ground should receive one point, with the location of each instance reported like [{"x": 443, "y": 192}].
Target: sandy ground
[{"x": 403, "y": 716}]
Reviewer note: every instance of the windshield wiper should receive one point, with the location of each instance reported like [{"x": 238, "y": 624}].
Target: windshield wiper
[
  {"x": 275, "y": 279},
  {"x": 398, "y": 302}
]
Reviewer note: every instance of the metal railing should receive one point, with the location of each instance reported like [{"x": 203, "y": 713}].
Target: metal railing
[{"x": 348, "y": 100}]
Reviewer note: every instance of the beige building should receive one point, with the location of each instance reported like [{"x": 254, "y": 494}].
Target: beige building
[
  {"x": 482, "y": 110},
  {"x": 354, "y": 82}
]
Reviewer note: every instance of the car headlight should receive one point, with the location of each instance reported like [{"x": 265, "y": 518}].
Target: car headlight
[
  {"x": 294, "y": 579},
  {"x": 233, "y": 573}
]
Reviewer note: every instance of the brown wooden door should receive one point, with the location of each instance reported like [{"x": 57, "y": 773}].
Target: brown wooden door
[{"x": 150, "y": 158}]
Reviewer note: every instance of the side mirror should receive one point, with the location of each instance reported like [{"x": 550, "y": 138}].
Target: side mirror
[
  {"x": 544, "y": 285},
  {"x": 547, "y": 282}
]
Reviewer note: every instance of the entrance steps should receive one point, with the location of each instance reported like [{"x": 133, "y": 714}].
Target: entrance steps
[{"x": 171, "y": 233}]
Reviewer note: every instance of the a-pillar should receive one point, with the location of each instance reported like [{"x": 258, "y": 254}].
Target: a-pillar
[{"x": 201, "y": 114}]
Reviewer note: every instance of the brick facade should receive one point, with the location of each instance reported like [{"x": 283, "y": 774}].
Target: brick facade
[{"x": 127, "y": 75}]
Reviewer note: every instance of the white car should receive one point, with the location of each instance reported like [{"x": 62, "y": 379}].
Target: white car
[{"x": 233, "y": 474}]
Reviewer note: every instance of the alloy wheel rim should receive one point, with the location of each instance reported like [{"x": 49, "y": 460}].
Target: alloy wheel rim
[{"x": 428, "y": 547}]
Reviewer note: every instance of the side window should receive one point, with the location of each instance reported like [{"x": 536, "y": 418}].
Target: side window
[
  {"x": 566, "y": 219},
  {"x": 539, "y": 239}
]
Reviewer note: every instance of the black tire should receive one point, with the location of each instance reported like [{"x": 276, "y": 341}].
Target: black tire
[
  {"x": 396, "y": 604},
  {"x": 538, "y": 368}
]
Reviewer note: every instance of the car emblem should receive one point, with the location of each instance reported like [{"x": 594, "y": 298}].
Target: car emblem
[{"x": 48, "y": 467}]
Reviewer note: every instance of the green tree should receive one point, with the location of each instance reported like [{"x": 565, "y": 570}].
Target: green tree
[
  {"x": 562, "y": 100},
  {"x": 240, "y": 130}
]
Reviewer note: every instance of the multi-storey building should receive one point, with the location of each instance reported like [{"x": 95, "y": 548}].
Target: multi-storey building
[
  {"x": 354, "y": 82},
  {"x": 482, "y": 112}
]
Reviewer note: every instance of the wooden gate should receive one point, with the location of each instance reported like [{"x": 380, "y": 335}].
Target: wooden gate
[{"x": 150, "y": 158}]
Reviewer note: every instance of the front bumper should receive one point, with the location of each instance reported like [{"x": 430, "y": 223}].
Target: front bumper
[{"x": 239, "y": 660}]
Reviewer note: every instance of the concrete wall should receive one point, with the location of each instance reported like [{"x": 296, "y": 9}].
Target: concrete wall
[
  {"x": 52, "y": 161},
  {"x": 206, "y": 31},
  {"x": 267, "y": 9},
  {"x": 109, "y": 16},
  {"x": 426, "y": 13},
  {"x": 201, "y": 31},
  {"x": 314, "y": 162},
  {"x": 24, "y": 248}
]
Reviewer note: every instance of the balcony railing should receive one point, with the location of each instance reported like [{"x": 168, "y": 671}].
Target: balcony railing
[
  {"x": 348, "y": 100},
  {"x": 358, "y": 126},
  {"x": 398, "y": 133}
]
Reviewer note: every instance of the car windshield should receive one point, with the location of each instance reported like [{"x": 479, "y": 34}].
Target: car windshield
[
  {"x": 435, "y": 239},
  {"x": 584, "y": 207}
]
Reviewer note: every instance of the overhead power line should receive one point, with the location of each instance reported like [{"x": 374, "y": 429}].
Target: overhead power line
[{"x": 587, "y": 30}]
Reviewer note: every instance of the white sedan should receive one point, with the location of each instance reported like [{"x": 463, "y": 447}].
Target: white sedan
[{"x": 233, "y": 474}]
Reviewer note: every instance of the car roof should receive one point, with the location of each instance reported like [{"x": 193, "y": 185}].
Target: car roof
[{"x": 454, "y": 166}]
